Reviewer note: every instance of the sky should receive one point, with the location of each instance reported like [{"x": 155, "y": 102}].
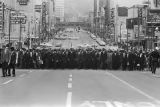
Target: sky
[
  {"x": 78, "y": 7},
  {"x": 128, "y": 2},
  {"x": 83, "y": 6}
]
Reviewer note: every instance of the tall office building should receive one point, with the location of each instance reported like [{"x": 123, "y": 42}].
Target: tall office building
[
  {"x": 59, "y": 10},
  {"x": 96, "y": 8}
]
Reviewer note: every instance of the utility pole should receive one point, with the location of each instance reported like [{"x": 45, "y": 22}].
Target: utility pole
[
  {"x": 120, "y": 33},
  {"x": 138, "y": 27},
  {"x": 139, "y": 20},
  {"x": 9, "y": 34},
  {"x": 3, "y": 18},
  {"x": 127, "y": 39},
  {"x": 20, "y": 30},
  {"x": 28, "y": 34}
]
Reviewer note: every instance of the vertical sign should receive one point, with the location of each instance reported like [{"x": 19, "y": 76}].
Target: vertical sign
[
  {"x": 44, "y": 19},
  {"x": 112, "y": 20},
  {"x": 157, "y": 3},
  {"x": 1, "y": 16}
]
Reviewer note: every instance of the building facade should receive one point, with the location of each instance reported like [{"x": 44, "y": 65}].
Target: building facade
[
  {"x": 143, "y": 24},
  {"x": 121, "y": 14},
  {"x": 33, "y": 20},
  {"x": 59, "y": 10}
]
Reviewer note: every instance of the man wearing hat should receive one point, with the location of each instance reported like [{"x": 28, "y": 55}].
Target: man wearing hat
[
  {"x": 5, "y": 59},
  {"x": 12, "y": 61},
  {"x": 154, "y": 55}
]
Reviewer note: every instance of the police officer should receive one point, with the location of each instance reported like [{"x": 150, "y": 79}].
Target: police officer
[
  {"x": 154, "y": 55},
  {"x": 12, "y": 61}
]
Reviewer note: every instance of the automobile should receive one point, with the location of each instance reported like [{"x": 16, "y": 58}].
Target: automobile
[
  {"x": 58, "y": 45},
  {"x": 94, "y": 45},
  {"x": 87, "y": 45},
  {"x": 65, "y": 35}
]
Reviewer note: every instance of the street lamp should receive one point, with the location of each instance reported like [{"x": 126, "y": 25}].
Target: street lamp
[
  {"x": 120, "y": 32},
  {"x": 9, "y": 27}
]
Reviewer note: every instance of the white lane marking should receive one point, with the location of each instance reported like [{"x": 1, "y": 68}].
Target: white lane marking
[
  {"x": 118, "y": 104},
  {"x": 69, "y": 99},
  {"x": 158, "y": 76},
  {"x": 70, "y": 75},
  {"x": 70, "y": 79},
  {"x": 87, "y": 104},
  {"x": 7, "y": 82},
  {"x": 22, "y": 75},
  {"x": 109, "y": 104},
  {"x": 69, "y": 85},
  {"x": 136, "y": 89}
]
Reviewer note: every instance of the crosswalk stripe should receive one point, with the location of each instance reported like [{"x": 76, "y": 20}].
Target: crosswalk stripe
[
  {"x": 69, "y": 99},
  {"x": 7, "y": 82},
  {"x": 118, "y": 104},
  {"x": 109, "y": 104}
]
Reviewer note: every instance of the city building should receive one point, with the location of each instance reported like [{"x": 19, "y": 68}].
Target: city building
[
  {"x": 59, "y": 10},
  {"x": 8, "y": 7},
  {"x": 99, "y": 18},
  {"x": 121, "y": 14},
  {"x": 104, "y": 20},
  {"x": 91, "y": 20},
  {"x": 96, "y": 8},
  {"x": 32, "y": 27},
  {"x": 143, "y": 24}
]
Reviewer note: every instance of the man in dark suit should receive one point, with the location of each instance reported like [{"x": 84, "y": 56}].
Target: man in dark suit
[
  {"x": 12, "y": 61},
  {"x": 154, "y": 59},
  {"x": 5, "y": 60},
  {"x": 2, "y": 63}
]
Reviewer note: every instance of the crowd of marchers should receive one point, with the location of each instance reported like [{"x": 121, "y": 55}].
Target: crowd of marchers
[{"x": 77, "y": 59}]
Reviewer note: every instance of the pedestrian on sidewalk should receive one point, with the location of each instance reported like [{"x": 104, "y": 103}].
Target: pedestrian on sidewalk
[{"x": 5, "y": 60}]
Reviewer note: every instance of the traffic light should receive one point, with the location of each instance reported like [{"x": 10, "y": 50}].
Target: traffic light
[{"x": 140, "y": 12}]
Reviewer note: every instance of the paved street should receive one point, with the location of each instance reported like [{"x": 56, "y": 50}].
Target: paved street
[
  {"x": 80, "y": 88},
  {"x": 84, "y": 38}
]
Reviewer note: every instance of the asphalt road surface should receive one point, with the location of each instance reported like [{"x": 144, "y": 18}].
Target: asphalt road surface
[
  {"x": 83, "y": 38},
  {"x": 80, "y": 88}
]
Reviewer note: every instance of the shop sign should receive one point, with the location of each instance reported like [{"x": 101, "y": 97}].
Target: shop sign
[{"x": 23, "y": 2}]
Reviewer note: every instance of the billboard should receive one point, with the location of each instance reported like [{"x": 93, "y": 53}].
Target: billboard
[
  {"x": 122, "y": 11},
  {"x": 17, "y": 18},
  {"x": 23, "y": 2},
  {"x": 133, "y": 21},
  {"x": 154, "y": 16},
  {"x": 38, "y": 8}
]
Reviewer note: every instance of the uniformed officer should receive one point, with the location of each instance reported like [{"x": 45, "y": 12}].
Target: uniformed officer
[
  {"x": 12, "y": 61},
  {"x": 154, "y": 59}
]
